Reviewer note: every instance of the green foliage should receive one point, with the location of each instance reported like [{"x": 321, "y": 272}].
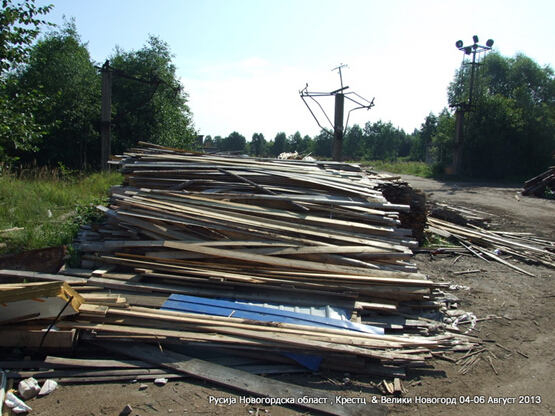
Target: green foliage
[
  {"x": 19, "y": 131},
  {"x": 381, "y": 141},
  {"x": 45, "y": 208},
  {"x": 235, "y": 142},
  {"x": 258, "y": 145},
  {"x": 403, "y": 167},
  {"x": 323, "y": 145},
  {"x": 60, "y": 66},
  {"x": 50, "y": 107},
  {"x": 19, "y": 26},
  {"x": 511, "y": 131},
  {"x": 353, "y": 144},
  {"x": 441, "y": 145},
  {"x": 150, "y": 106},
  {"x": 424, "y": 139},
  {"x": 280, "y": 145}
]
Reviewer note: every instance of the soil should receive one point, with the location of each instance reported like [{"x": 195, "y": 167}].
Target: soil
[{"x": 516, "y": 320}]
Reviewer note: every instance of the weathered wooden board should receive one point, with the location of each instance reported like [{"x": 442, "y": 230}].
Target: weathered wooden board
[{"x": 247, "y": 383}]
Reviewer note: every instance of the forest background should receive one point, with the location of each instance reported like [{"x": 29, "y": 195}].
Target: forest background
[{"x": 50, "y": 99}]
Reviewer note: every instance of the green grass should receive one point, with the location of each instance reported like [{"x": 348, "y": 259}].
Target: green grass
[
  {"x": 42, "y": 208},
  {"x": 402, "y": 167}
]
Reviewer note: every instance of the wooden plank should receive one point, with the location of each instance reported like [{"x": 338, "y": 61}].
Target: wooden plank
[
  {"x": 41, "y": 300},
  {"x": 33, "y": 338},
  {"x": 245, "y": 382},
  {"x": 168, "y": 317},
  {"x": 37, "y": 276},
  {"x": 350, "y": 273}
]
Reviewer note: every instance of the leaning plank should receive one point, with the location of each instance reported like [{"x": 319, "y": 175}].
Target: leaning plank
[{"x": 245, "y": 382}]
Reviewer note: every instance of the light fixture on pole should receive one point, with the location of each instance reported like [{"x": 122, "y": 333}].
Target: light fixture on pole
[{"x": 468, "y": 105}]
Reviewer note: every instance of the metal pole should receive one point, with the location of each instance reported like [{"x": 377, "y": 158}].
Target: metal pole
[
  {"x": 458, "y": 142},
  {"x": 472, "y": 78},
  {"x": 338, "y": 127},
  {"x": 105, "y": 116}
]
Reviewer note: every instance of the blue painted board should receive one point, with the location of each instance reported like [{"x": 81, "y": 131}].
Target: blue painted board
[{"x": 220, "y": 307}]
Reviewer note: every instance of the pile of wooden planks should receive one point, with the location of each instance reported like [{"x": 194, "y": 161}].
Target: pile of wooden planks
[
  {"x": 195, "y": 219},
  {"x": 490, "y": 245},
  {"x": 286, "y": 233},
  {"x": 112, "y": 317},
  {"x": 539, "y": 185}
]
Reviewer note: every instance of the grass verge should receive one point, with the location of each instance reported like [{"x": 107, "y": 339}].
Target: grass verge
[
  {"x": 402, "y": 167},
  {"x": 41, "y": 209}
]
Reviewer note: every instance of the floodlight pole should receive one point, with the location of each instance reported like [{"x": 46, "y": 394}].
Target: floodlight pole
[{"x": 465, "y": 107}]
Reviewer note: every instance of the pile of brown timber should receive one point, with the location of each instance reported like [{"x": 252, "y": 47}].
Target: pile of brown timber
[
  {"x": 202, "y": 220},
  {"x": 285, "y": 232},
  {"x": 470, "y": 229},
  {"x": 538, "y": 185}
]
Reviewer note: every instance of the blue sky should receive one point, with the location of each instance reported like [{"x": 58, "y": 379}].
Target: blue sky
[{"x": 243, "y": 62}]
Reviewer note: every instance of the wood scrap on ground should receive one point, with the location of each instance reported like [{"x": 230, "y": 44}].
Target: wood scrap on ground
[
  {"x": 490, "y": 245},
  {"x": 541, "y": 185}
]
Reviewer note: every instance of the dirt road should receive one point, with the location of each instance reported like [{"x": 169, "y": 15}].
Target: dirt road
[{"x": 518, "y": 309}]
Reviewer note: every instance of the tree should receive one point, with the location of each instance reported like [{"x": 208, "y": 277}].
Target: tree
[
  {"x": 295, "y": 142},
  {"x": 353, "y": 143},
  {"x": 405, "y": 145},
  {"x": 441, "y": 142},
  {"x": 381, "y": 140},
  {"x": 323, "y": 144},
  {"x": 235, "y": 142},
  {"x": 423, "y": 141},
  {"x": 511, "y": 130},
  {"x": 280, "y": 144},
  {"x": 306, "y": 146},
  {"x": 258, "y": 145},
  {"x": 60, "y": 67},
  {"x": 148, "y": 100},
  {"x": 19, "y": 26}
]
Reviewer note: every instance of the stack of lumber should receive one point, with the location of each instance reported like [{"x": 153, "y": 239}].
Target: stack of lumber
[
  {"x": 399, "y": 192},
  {"x": 491, "y": 245},
  {"x": 538, "y": 185},
  {"x": 200, "y": 220},
  {"x": 287, "y": 233},
  {"x": 106, "y": 318}
]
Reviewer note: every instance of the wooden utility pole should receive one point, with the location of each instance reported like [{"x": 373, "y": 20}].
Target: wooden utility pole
[
  {"x": 106, "y": 115},
  {"x": 338, "y": 127}
]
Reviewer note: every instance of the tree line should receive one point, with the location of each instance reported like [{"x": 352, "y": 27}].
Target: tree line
[
  {"x": 509, "y": 132},
  {"x": 375, "y": 141},
  {"x": 50, "y": 95}
]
